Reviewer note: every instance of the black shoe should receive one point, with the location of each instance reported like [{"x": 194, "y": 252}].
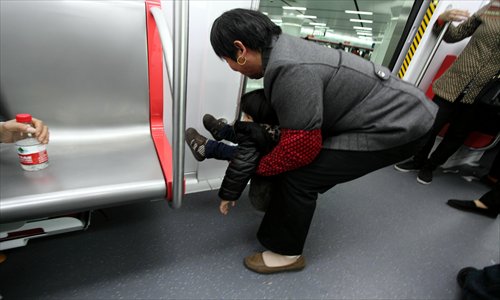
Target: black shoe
[
  {"x": 196, "y": 143},
  {"x": 214, "y": 126},
  {"x": 470, "y": 206},
  {"x": 424, "y": 176},
  {"x": 462, "y": 275},
  {"x": 408, "y": 166}
]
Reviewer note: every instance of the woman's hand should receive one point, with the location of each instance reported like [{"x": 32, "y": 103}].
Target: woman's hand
[
  {"x": 453, "y": 15},
  {"x": 42, "y": 131},
  {"x": 10, "y": 129},
  {"x": 224, "y": 206}
]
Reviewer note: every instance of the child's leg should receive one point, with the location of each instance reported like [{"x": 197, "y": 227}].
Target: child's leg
[
  {"x": 219, "y": 150},
  {"x": 227, "y": 133},
  {"x": 196, "y": 143},
  {"x": 219, "y": 129}
]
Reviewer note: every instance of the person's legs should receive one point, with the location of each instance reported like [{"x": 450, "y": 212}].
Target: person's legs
[
  {"x": 219, "y": 150},
  {"x": 461, "y": 121},
  {"x": 227, "y": 133},
  {"x": 493, "y": 175},
  {"x": 495, "y": 167},
  {"x": 219, "y": 129},
  {"x": 492, "y": 199},
  {"x": 488, "y": 205},
  {"x": 480, "y": 284},
  {"x": 442, "y": 117},
  {"x": 460, "y": 127},
  {"x": 285, "y": 225},
  {"x": 202, "y": 148}
]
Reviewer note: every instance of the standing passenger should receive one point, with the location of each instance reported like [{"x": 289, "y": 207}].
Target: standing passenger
[
  {"x": 458, "y": 87},
  {"x": 341, "y": 117}
]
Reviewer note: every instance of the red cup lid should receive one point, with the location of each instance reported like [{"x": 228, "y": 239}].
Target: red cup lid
[{"x": 23, "y": 118}]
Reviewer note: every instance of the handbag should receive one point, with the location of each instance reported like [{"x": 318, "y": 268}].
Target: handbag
[
  {"x": 489, "y": 94},
  {"x": 261, "y": 191},
  {"x": 488, "y": 107}
]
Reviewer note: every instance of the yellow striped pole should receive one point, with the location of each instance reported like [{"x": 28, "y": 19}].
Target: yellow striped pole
[{"x": 418, "y": 37}]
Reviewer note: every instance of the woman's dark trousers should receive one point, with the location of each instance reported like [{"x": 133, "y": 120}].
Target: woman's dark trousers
[
  {"x": 286, "y": 223},
  {"x": 492, "y": 198},
  {"x": 461, "y": 118}
]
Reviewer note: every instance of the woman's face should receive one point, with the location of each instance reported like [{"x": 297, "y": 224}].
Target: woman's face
[
  {"x": 252, "y": 58},
  {"x": 250, "y": 69}
]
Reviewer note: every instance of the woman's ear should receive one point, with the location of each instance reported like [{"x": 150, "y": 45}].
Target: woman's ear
[{"x": 242, "y": 50}]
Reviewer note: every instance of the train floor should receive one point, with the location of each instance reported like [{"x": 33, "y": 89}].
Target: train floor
[{"x": 382, "y": 236}]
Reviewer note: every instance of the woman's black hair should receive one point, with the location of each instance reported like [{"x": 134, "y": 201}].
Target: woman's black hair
[
  {"x": 255, "y": 104},
  {"x": 254, "y": 29}
]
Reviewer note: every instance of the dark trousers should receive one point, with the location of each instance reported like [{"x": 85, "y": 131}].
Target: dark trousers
[
  {"x": 495, "y": 167},
  {"x": 461, "y": 118},
  {"x": 492, "y": 198},
  {"x": 219, "y": 150},
  {"x": 286, "y": 223},
  {"x": 483, "y": 284}
]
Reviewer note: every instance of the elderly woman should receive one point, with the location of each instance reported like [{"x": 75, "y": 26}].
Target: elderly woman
[{"x": 341, "y": 117}]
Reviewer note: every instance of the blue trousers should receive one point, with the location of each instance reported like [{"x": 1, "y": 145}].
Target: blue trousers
[{"x": 220, "y": 150}]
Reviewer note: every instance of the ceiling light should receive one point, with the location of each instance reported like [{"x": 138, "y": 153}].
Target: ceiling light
[
  {"x": 364, "y": 33},
  {"x": 317, "y": 24},
  {"x": 295, "y": 8},
  {"x": 265, "y": 13},
  {"x": 359, "y": 12},
  {"x": 362, "y": 28},
  {"x": 307, "y": 17},
  {"x": 360, "y": 20}
]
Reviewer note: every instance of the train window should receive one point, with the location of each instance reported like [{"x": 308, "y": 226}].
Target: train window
[{"x": 372, "y": 29}]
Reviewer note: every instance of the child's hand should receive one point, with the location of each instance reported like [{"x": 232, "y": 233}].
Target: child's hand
[{"x": 224, "y": 206}]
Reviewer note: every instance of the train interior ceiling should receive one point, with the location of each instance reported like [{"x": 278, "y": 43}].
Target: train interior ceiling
[{"x": 123, "y": 212}]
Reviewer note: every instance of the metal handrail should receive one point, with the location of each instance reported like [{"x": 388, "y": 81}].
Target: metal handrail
[
  {"x": 177, "y": 77},
  {"x": 166, "y": 41},
  {"x": 431, "y": 54}
]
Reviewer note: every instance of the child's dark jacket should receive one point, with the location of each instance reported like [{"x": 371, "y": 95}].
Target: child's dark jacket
[{"x": 254, "y": 140}]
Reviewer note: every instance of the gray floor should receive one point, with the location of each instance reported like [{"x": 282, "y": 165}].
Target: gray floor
[{"x": 383, "y": 236}]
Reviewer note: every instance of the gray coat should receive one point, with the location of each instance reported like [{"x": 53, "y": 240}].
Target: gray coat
[{"x": 357, "y": 105}]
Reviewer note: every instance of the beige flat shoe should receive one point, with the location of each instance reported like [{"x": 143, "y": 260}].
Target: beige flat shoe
[{"x": 255, "y": 262}]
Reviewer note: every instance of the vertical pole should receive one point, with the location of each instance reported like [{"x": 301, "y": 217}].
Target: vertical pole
[
  {"x": 181, "y": 23},
  {"x": 431, "y": 55}
]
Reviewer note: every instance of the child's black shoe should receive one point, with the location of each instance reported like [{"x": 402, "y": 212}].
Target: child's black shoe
[
  {"x": 196, "y": 143},
  {"x": 214, "y": 126}
]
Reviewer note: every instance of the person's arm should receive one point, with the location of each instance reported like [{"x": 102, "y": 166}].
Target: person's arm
[
  {"x": 297, "y": 97},
  {"x": 10, "y": 129},
  {"x": 460, "y": 32},
  {"x": 238, "y": 173},
  {"x": 244, "y": 163},
  {"x": 295, "y": 149}
]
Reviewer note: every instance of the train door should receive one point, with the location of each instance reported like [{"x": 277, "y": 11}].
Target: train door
[{"x": 212, "y": 86}]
